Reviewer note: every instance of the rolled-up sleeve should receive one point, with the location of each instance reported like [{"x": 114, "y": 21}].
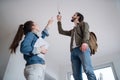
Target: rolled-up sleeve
[
  {"x": 45, "y": 33},
  {"x": 26, "y": 47},
  {"x": 37, "y": 50}
]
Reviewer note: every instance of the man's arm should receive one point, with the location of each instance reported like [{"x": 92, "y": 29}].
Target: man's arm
[
  {"x": 85, "y": 33},
  {"x": 84, "y": 45},
  {"x": 61, "y": 31}
]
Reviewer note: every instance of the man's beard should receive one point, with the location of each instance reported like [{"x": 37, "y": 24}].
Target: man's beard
[{"x": 73, "y": 19}]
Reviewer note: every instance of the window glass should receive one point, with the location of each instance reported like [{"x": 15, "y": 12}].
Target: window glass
[{"x": 103, "y": 73}]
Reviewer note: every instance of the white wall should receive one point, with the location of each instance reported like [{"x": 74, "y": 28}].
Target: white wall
[
  {"x": 4, "y": 54},
  {"x": 15, "y": 67}
]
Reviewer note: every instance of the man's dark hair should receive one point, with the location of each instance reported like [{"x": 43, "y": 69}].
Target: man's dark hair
[{"x": 81, "y": 16}]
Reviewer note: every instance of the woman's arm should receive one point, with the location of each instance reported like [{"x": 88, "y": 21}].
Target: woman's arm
[
  {"x": 85, "y": 33},
  {"x": 45, "y": 31}
]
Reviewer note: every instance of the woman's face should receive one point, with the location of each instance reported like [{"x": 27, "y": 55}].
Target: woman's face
[{"x": 35, "y": 27}]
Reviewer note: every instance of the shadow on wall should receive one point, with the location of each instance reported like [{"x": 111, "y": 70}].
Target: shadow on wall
[{"x": 48, "y": 77}]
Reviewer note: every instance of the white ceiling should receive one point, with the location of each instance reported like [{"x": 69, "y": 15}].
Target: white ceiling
[{"x": 103, "y": 17}]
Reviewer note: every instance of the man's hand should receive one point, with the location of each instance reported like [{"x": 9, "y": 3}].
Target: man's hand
[
  {"x": 84, "y": 47},
  {"x": 59, "y": 17}
]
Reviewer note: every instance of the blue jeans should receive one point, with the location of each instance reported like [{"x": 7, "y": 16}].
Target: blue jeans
[{"x": 79, "y": 59}]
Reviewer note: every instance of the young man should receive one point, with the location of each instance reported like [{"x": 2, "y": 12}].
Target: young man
[{"x": 79, "y": 47}]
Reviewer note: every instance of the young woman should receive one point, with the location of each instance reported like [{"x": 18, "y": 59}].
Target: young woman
[{"x": 33, "y": 49}]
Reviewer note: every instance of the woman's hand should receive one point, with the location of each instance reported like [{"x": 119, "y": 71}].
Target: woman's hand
[
  {"x": 43, "y": 50},
  {"x": 50, "y": 21}
]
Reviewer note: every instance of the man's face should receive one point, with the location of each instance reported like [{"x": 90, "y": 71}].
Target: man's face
[{"x": 74, "y": 17}]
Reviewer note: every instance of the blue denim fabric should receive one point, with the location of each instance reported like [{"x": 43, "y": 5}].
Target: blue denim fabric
[
  {"x": 44, "y": 33},
  {"x": 27, "y": 46},
  {"x": 79, "y": 59}
]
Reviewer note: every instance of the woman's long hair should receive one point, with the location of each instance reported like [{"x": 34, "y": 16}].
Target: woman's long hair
[{"x": 23, "y": 29}]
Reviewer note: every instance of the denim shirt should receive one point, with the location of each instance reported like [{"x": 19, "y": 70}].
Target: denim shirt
[{"x": 27, "y": 47}]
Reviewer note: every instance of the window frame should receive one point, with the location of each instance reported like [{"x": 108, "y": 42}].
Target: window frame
[{"x": 110, "y": 64}]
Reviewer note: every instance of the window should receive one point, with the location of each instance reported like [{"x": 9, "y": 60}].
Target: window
[{"x": 103, "y": 72}]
